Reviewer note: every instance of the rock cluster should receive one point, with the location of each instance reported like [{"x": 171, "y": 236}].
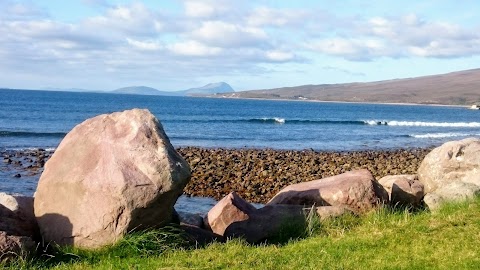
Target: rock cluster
[
  {"x": 29, "y": 162},
  {"x": 258, "y": 174},
  {"x": 18, "y": 227},
  {"x": 117, "y": 173}
]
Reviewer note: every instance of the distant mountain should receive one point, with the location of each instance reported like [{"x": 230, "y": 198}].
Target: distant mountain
[
  {"x": 139, "y": 90},
  {"x": 211, "y": 88},
  {"x": 456, "y": 88},
  {"x": 69, "y": 89}
]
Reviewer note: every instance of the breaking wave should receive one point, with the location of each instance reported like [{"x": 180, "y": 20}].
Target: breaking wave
[
  {"x": 423, "y": 124},
  {"x": 441, "y": 135}
]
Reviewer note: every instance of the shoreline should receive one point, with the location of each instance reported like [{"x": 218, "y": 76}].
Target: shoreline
[
  {"x": 255, "y": 174},
  {"x": 341, "y": 102}
]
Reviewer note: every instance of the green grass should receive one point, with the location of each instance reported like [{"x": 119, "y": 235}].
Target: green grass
[{"x": 384, "y": 239}]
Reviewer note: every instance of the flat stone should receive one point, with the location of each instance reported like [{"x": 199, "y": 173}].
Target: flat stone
[{"x": 353, "y": 190}]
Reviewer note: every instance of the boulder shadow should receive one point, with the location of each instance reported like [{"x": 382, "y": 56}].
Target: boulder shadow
[
  {"x": 55, "y": 230},
  {"x": 306, "y": 198},
  {"x": 399, "y": 200},
  {"x": 272, "y": 224}
]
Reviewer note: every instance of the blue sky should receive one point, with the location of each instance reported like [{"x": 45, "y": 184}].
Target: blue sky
[{"x": 174, "y": 44}]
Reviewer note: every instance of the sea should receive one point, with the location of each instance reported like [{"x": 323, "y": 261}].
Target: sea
[{"x": 32, "y": 119}]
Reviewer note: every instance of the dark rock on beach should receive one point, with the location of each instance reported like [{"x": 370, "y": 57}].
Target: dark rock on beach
[{"x": 257, "y": 174}]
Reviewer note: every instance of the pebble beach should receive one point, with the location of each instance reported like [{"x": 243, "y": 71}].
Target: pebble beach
[{"x": 255, "y": 174}]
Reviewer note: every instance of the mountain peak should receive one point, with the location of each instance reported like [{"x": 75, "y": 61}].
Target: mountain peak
[
  {"x": 211, "y": 88},
  {"x": 139, "y": 90}
]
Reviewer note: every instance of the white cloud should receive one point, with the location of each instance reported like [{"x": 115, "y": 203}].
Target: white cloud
[
  {"x": 218, "y": 33},
  {"x": 279, "y": 56},
  {"x": 194, "y": 48},
  {"x": 211, "y": 38},
  {"x": 352, "y": 49},
  {"x": 404, "y": 36},
  {"x": 206, "y": 8},
  {"x": 145, "y": 45},
  {"x": 13, "y": 10},
  {"x": 265, "y": 16},
  {"x": 135, "y": 19}
]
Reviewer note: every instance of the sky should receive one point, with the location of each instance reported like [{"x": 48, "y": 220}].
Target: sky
[{"x": 175, "y": 44}]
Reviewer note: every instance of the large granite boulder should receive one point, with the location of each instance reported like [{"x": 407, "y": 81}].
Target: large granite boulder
[
  {"x": 110, "y": 175},
  {"x": 452, "y": 162},
  {"x": 16, "y": 215},
  {"x": 234, "y": 217},
  {"x": 403, "y": 190},
  {"x": 13, "y": 246},
  {"x": 354, "y": 190},
  {"x": 453, "y": 192},
  {"x": 451, "y": 172}
]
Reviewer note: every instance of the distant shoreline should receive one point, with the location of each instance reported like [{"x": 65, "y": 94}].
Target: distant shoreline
[
  {"x": 251, "y": 98},
  {"x": 343, "y": 102}
]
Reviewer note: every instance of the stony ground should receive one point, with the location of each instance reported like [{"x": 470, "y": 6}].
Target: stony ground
[{"x": 255, "y": 174}]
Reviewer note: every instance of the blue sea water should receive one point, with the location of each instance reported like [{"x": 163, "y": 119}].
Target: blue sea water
[{"x": 30, "y": 119}]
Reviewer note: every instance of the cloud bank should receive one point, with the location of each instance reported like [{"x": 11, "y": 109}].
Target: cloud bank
[{"x": 135, "y": 43}]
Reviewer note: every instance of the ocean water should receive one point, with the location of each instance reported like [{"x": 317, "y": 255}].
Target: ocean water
[
  {"x": 31, "y": 119},
  {"x": 40, "y": 119}
]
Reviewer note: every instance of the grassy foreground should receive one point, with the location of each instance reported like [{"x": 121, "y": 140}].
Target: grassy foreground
[{"x": 384, "y": 239}]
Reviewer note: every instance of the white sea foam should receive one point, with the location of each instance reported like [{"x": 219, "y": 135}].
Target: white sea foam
[
  {"x": 423, "y": 124},
  {"x": 274, "y": 119},
  {"x": 441, "y": 135},
  {"x": 375, "y": 122},
  {"x": 279, "y": 120}
]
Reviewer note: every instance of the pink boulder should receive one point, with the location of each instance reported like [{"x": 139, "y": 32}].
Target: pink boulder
[
  {"x": 110, "y": 175},
  {"x": 403, "y": 190},
  {"x": 232, "y": 208},
  {"x": 354, "y": 190}
]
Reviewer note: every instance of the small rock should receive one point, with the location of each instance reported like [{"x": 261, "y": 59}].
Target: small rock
[
  {"x": 191, "y": 219},
  {"x": 403, "y": 190},
  {"x": 16, "y": 215},
  {"x": 231, "y": 209},
  {"x": 12, "y": 246}
]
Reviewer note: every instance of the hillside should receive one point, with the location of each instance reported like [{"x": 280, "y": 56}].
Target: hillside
[
  {"x": 211, "y": 88},
  {"x": 140, "y": 90},
  {"x": 456, "y": 88}
]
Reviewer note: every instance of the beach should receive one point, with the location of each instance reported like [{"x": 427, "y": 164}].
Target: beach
[{"x": 255, "y": 174}]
